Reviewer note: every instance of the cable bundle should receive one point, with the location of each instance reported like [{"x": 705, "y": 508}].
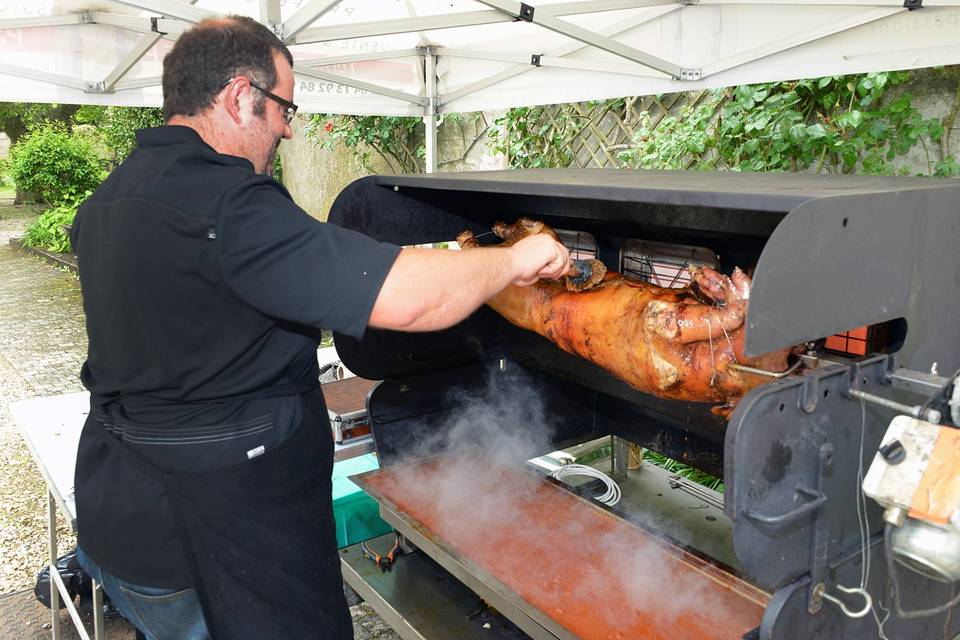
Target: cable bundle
[{"x": 612, "y": 494}]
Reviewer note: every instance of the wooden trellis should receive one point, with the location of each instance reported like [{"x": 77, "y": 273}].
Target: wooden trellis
[{"x": 606, "y": 128}]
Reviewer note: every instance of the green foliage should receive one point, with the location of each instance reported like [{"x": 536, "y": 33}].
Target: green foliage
[
  {"x": 675, "y": 142},
  {"x": 837, "y": 124},
  {"x": 118, "y": 125},
  {"x": 398, "y": 140},
  {"x": 534, "y": 137},
  {"x": 47, "y": 230},
  {"x": 16, "y": 118},
  {"x": 52, "y": 163},
  {"x": 684, "y": 471}
]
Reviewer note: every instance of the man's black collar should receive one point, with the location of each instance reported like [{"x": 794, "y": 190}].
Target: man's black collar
[{"x": 178, "y": 134}]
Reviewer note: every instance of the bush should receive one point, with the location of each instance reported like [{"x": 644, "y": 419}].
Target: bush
[
  {"x": 53, "y": 164},
  {"x": 47, "y": 231},
  {"x": 118, "y": 125}
]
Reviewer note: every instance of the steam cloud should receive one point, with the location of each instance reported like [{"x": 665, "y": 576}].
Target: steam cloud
[{"x": 470, "y": 493}]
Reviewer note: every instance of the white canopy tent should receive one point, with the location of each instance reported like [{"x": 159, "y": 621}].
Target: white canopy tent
[{"x": 426, "y": 57}]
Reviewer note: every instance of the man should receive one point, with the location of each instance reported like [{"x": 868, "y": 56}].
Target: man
[{"x": 203, "y": 473}]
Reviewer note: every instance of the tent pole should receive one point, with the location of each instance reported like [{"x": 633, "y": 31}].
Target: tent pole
[
  {"x": 432, "y": 108},
  {"x": 306, "y": 16},
  {"x": 270, "y": 15}
]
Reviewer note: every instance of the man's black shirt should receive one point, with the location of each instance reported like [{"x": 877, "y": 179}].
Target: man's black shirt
[{"x": 204, "y": 289}]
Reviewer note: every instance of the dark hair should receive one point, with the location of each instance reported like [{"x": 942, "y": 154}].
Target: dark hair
[{"x": 214, "y": 51}]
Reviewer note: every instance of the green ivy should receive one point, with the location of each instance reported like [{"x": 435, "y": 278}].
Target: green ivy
[
  {"x": 535, "y": 137},
  {"x": 837, "y": 124},
  {"x": 397, "y": 140}
]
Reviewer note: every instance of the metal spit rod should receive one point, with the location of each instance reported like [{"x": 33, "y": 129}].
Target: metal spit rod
[
  {"x": 917, "y": 411},
  {"x": 736, "y": 366}
]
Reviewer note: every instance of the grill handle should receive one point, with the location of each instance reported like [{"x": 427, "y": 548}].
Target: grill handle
[{"x": 817, "y": 500}]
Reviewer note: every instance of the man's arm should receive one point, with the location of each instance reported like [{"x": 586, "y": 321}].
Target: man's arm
[{"x": 428, "y": 289}]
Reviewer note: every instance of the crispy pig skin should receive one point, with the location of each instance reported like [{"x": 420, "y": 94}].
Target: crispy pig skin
[{"x": 674, "y": 343}]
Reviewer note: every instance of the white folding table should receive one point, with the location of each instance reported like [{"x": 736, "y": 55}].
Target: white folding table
[{"x": 51, "y": 428}]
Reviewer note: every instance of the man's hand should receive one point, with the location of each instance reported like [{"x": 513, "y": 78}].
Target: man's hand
[{"x": 538, "y": 256}]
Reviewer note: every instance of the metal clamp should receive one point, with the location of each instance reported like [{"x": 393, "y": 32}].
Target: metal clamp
[
  {"x": 868, "y": 601},
  {"x": 818, "y": 498}
]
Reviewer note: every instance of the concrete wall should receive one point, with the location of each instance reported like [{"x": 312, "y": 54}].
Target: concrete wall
[
  {"x": 936, "y": 94},
  {"x": 315, "y": 175}
]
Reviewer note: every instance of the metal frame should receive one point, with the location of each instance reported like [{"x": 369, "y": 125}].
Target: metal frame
[
  {"x": 533, "y": 622},
  {"x": 558, "y": 53},
  {"x": 172, "y": 17},
  {"x": 59, "y": 590},
  {"x": 305, "y": 17}
]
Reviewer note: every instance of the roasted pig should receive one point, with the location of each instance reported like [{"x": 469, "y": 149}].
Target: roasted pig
[{"x": 675, "y": 343}]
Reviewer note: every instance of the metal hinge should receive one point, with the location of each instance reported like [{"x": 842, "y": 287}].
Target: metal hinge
[
  {"x": 429, "y": 50},
  {"x": 277, "y": 29},
  {"x": 688, "y": 1},
  {"x": 912, "y": 4},
  {"x": 526, "y": 12},
  {"x": 691, "y": 75},
  {"x": 535, "y": 59},
  {"x": 95, "y": 87},
  {"x": 85, "y": 17}
]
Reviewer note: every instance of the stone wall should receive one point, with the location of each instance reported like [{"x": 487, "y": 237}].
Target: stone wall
[{"x": 936, "y": 94}]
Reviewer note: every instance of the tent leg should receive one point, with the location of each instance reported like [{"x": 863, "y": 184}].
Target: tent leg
[
  {"x": 430, "y": 117},
  {"x": 430, "y": 124}
]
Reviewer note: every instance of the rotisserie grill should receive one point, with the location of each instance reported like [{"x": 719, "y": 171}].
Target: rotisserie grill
[{"x": 790, "y": 547}]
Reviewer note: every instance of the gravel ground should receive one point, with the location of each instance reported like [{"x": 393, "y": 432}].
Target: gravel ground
[{"x": 23, "y": 515}]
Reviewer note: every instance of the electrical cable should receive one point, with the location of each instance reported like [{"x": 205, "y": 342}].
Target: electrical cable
[
  {"x": 863, "y": 519},
  {"x": 612, "y": 494},
  {"x": 863, "y": 522}
]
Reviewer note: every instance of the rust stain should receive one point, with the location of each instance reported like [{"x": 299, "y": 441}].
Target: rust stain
[
  {"x": 938, "y": 494},
  {"x": 594, "y": 574}
]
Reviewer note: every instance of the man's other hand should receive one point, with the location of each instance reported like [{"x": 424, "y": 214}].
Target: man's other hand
[{"x": 539, "y": 256}]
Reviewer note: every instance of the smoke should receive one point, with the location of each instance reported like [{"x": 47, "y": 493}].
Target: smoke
[
  {"x": 584, "y": 568},
  {"x": 506, "y": 418}
]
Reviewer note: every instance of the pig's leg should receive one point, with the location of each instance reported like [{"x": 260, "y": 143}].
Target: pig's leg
[{"x": 683, "y": 322}]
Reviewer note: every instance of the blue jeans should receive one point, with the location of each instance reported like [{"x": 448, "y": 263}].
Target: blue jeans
[{"x": 159, "y": 614}]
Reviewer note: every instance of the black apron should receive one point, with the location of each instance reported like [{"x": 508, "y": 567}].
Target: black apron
[{"x": 259, "y": 538}]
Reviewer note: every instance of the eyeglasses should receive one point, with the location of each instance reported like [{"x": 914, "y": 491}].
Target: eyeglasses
[{"x": 289, "y": 108}]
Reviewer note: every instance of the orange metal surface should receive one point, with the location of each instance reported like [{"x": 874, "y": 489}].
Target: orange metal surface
[
  {"x": 938, "y": 494},
  {"x": 591, "y": 572}
]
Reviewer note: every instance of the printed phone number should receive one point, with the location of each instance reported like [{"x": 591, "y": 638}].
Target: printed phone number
[{"x": 330, "y": 87}]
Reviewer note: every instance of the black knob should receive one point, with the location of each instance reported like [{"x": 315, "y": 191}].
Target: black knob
[{"x": 893, "y": 452}]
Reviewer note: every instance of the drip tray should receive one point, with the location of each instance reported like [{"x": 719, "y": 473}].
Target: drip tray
[
  {"x": 421, "y": 601},
  {"x": 553, "y": 563}
]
